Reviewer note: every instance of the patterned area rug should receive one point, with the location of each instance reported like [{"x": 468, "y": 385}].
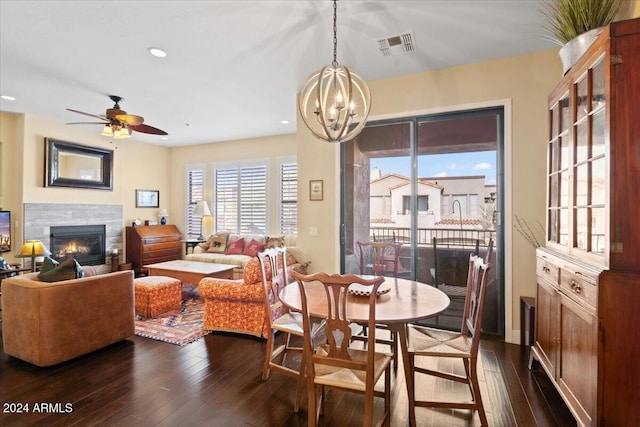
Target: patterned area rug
[{"x": 179, "y": 327}]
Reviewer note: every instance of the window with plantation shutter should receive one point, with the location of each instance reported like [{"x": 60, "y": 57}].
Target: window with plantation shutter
[
  {"x": 195, "y": 193},
  {"x": 288, "y": 210},
  {"x": 241, "y": 198}
]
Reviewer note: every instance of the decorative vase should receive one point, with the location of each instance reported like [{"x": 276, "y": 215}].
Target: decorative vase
[{"x": 571, "y": 52}]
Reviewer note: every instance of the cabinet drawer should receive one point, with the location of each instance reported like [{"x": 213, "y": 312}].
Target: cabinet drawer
[
  {"x": 580, "y": 286},
  {"x": 548, "y": 270}
]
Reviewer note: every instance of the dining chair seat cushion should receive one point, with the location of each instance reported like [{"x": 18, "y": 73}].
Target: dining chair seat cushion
[
  {"x": 349, "y": 378},
  {"x": 289, "y": 322},
  {"x": 426, "y": 341},
  {"x": 292, "y": 322}
]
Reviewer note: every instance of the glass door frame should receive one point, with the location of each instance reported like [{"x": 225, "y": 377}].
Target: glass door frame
[{"x": 499, "y": 260}]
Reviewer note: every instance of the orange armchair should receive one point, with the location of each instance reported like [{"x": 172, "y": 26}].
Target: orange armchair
[{"x": 238, "y": 306}]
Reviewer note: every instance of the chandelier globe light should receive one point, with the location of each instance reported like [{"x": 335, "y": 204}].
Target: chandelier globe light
[{"x": 334, "y": 98}]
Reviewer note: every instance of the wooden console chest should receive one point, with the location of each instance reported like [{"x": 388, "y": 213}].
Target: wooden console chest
[
  {"x": 588, "y": 275},
  {"x": 151, "y": 244}
]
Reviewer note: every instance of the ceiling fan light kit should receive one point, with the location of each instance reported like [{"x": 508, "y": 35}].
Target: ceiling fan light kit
[
  {"x": 334, "y": 98},
  {"x": 117, "y": 124}
]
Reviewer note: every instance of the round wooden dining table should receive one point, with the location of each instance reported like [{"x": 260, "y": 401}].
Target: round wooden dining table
[{"x": 406, "y": 301}]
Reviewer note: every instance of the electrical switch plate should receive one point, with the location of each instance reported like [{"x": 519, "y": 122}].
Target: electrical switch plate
[{"x": 313, "y": 231}]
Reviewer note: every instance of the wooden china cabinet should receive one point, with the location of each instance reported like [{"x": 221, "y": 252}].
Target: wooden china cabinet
[{"x": 588, "y": 274}]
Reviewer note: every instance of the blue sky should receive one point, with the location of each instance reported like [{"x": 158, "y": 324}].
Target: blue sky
[{"x": 437, "y": 165}]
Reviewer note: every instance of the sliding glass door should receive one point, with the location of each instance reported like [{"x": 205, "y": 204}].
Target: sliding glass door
[{"x": 433, "y": 184}]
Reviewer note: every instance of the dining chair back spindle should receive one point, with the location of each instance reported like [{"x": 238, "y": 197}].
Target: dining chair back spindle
[
  {"x": 336, "y": 363},
  {"x": 464, "y": 345}
]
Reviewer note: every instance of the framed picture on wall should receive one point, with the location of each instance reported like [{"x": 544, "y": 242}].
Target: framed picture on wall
[
  {"x": 147, "y": 199},
  {"x": 316, "y": 191}
]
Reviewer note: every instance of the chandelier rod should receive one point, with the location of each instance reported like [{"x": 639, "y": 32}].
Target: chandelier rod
[{"x": 335, "y": 33}]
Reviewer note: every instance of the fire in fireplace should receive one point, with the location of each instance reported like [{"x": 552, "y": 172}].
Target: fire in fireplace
[{"x": 85, "y": 243}]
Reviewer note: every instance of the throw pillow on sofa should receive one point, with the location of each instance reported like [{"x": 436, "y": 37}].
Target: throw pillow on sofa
[
  {"x": 218, "y": 245},
  {"x": 253, "y": 248},
  {"x": 48, "y": 264},
  {"x": 64, "y": 271},
  {"x": 274, "y": 242},
  {"x": 236, "y": 247}
]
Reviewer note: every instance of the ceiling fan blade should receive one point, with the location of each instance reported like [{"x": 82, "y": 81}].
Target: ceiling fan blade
[
  {"x": 130, "y": 119},
  {"x": 147, "y": 129},
  {"x": 88, "y": 123},
  {"x": 97, "y": 116}
]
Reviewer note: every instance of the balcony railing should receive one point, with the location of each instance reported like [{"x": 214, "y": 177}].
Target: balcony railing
[{"x": 453, "y": 237}]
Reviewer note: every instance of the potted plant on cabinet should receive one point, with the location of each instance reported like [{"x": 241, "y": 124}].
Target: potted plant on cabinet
[{"x": 575, "y": 24}]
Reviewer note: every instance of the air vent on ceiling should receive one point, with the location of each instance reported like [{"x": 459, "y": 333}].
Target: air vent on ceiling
[{"x": 397, "y": 44}]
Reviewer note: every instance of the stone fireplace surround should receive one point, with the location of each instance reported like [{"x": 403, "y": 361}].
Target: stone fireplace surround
[{"x": 39, "y": 217}]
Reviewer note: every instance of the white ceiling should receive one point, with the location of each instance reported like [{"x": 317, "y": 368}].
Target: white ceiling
[{"x": 233, "y": 68}]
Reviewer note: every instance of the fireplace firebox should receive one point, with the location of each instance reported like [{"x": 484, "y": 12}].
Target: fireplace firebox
[{"x": 85, "y": 243}]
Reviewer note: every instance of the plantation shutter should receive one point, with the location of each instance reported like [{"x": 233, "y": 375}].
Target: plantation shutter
[
  {"x": 289, "y": 198},
  {"x": 195, "y": 193},
  {"x": 226, "y": 188},
  {"x": 253, "y": 200}
]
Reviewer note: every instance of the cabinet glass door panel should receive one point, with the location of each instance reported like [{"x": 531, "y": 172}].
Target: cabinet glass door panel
[
  {"x": 564, "y": 227},
  {"x": 598, "y": 237},
  {"x": 565, "y": 121},
  {"x": 582, "y": 185},
  {"x": 564, "y": 189},
  {"x": 581, "y": 228},
  {"x": 553, "y": 191},
  {"x": 597, "y": 133},
  {"x": 554, "y": 119},
  {"x": 564, "y": 152},
  {"x": 582, "y": 142},
  {"x": 598, "y": 181},
  {"x": 554, "y": 156},
  {"x": 598, "y": 97},
  {"x": 582, "y": 106},
  {"x": 553, "y": 225}
]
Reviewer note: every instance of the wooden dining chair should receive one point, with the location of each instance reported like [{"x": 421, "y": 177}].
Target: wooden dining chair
[
  {"x": 336, "y": 364},
  {"x": 433, "y": 342},
  {"x": 273, "y": 265},
  {"x": 380, "y": 258}
]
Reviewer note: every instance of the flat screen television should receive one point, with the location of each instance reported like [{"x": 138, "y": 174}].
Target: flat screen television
[{"x": 5, "y": 231}]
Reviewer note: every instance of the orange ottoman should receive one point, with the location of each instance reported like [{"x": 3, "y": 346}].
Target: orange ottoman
[{"x": 157, "y": 294}]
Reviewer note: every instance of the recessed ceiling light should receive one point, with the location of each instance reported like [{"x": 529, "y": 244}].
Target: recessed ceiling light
[
  {"x": 8, "y": 98},
  {"x": 284, "y": 122},
  {"x": 156, "y": 51},
  {"x": 164, "y": 137}
]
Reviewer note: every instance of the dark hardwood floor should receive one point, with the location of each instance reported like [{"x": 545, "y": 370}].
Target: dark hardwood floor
[{"x": 216, "y": 382}]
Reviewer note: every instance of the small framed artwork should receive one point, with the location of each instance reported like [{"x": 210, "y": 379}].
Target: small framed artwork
[
  {"x": 147, "y": 199},
  {"x": 316, "y": 191}
]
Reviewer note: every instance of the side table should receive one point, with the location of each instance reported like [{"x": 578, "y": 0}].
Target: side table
[{"x": 191, "y": 243}]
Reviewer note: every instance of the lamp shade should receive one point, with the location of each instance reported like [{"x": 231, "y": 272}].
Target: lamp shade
[
  {"x": 163, "y": 212},
  {"x": 202, "y": 209},
  {"x": 33, "y": 248}
]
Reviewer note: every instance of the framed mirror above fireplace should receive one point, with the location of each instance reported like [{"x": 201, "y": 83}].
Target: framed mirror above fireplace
[{"x": 69, "y": 164}]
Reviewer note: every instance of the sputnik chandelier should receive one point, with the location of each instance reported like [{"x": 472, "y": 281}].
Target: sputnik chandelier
[{"x": 333, "y": 98}]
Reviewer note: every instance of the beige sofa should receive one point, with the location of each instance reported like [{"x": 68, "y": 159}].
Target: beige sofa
[
  {"x": 49, "y": 323},
  {"x": 297, "y": 258}
]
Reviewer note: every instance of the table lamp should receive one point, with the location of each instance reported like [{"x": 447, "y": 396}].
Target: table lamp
[
  {"x": 32, "y": 249},
  {"x": 163, "y": 214},
  {"x": 202, "y": 210}
]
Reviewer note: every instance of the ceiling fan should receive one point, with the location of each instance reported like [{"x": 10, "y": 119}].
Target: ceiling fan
[{"x": 117, "y": 123}]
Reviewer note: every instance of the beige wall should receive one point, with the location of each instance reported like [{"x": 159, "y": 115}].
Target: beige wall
[
  {"x": 521, "y": 83},
  {"x": 270, "y": 147}
]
